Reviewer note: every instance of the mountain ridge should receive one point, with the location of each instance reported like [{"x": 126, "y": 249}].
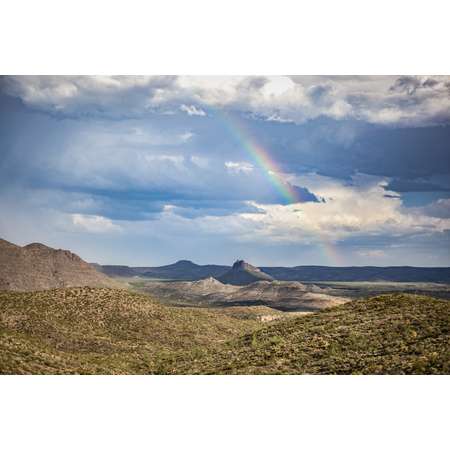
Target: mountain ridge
[
  {"x": 38, "y": 267},
  {"x": 305, "y": 273}
]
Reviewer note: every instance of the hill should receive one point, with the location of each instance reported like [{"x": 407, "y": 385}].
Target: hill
[
  {"x": 242, "y": 273},
  {"x": 280, "y": 295},
  {"x": 36, "y": 266},
  {"x": 109, "y": 331},
  {"x": 181, "y": 270},
  {"x": 189, "y": 271},
  {"x": 383, "y": 335}
]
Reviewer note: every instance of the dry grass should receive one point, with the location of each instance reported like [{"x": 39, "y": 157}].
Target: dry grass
[
  {"x": 99, "y": 330},
  {"x": 385, "y": 335},
  {"x": 110, "y": 331}
]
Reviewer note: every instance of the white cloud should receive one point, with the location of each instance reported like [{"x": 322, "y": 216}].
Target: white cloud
[
  {"x": 186, "y": 136},
  {"x": 372, "y": 253},
  {"x": 239, "y": 166},
  {"x": 192, "y": 110},
  {"x": 377, "y": 99},
  {"x": 93, "y": 223},
  {"x": 200, "y": 161},
  {"x": 361, "y": 209}
]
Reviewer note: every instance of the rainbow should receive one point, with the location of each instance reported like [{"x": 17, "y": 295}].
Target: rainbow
[
  {"x": 272, "y": 171},
  {"x": 261, "y": 158},
  {"x": 331, "y": 253}
]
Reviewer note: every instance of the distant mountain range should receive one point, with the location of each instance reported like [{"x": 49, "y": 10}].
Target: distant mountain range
[
  {"x": 36, "y": 267},
  {"x": 189, "y": 271},
  {"x": 181, "y": 270}
]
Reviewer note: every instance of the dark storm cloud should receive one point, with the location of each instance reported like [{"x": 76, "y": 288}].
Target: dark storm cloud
[
  {"x": 401, "y": 185},
  {"x": 123, "y": 175},
  {"x": 410, "y": 84},
  {"x": 342, "y": 148}
]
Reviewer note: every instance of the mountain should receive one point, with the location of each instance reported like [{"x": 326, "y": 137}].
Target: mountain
[
  {"x": 189, "y": 271},
  {"x": 243, "y": 273},
  {"x": 365, "y": 273},
  {"x": 185, "y": 270},
  {"x": 181, "y": 270},
  {"x": 36, "y": 267}
]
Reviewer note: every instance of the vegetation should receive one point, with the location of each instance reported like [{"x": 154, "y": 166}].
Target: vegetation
[
  {"x": 392, "y": 334},
  {"x": 100, "y": 330},
  {"x": 109, "y": 331}
]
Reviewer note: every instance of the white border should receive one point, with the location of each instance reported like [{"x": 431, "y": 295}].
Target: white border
[
  {"x": 233, "y": 37},
  {"x": 223, "y": 38},
  {"x": 224, "y": 412}
]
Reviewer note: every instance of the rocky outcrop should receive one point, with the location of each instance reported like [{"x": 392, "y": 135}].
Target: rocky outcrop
[{"x": 243, "y": 273}]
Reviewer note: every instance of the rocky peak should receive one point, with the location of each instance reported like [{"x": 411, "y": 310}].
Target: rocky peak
[
  {"x": 240, "y": 264},
  {"x": 243, "y": 273}
]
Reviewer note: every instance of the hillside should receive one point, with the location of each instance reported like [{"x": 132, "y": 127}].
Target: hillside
[
  {"x": 109, "y": 331},
  {"x": 242, "y": 273},
  {"x": 281, "y": 295},
  {"x": 36, "y": 266},
  {"x": 383, "y": 335}
]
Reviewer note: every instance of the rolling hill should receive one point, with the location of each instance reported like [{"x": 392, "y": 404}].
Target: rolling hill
[
  {"x": 36, "y": 266},
  {"x": 280, "y": 295},
  {"x": 110, "y": 331},
  {"x": 396, "y": 334}
]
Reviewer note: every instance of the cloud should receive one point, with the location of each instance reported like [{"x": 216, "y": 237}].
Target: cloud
[
  {"x": 360, "y": 209},
  {"x": 93, "y": 224},
  {"x": 404, "y": 185},
  {"x": 372, "y": 253},
  {"x": 386, "y": 100},
  {"x": 192, "y": 110},
  {"x": 187, "y": 136},
  {"x": 109, "y": 96},
  {"x": 439, "y": 208},
  {"x": 239, "y": 166}
]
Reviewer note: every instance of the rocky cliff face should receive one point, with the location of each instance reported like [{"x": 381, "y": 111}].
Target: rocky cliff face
[
  {"x": 37, "y": 267},
  {"x": 244, "y": 273}
]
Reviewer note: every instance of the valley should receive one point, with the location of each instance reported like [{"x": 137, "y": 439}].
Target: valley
[{"x": 280, "y": 295}]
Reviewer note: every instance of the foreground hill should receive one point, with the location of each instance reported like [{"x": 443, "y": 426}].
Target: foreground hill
[
  {"x": 109, "y": 331},
  {"x": 383, "y": 335},
  {"x": 37, "y": 266}
]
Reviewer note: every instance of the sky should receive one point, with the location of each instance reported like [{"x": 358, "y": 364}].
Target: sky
[{"x": 276, "y": 170}]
